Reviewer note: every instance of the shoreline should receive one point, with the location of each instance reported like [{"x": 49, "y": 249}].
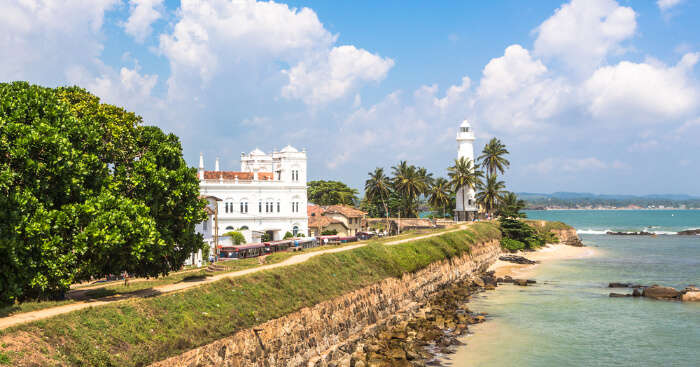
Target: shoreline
[
  {"x": 545, "y": 254},
  {"x": 549, "y": 253}
]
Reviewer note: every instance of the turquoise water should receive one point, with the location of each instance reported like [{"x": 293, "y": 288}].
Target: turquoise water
[{"x": 568, "y": 319}]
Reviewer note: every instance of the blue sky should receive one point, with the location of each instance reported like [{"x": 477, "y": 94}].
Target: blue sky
[{"x": 596, "y": 95}]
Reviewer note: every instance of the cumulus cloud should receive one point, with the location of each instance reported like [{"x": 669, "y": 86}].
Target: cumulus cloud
[
  {"x": 643, "y": 92},
  {"x": 218, "y": 41},
  {"x": 667, "y": 4},
  {"x": 333, "y": 74},
  {"x": 516, "y": 91},
  {"x": 142, "y": 14},
  {"x": 583, "y": 32},
  {"x": 44, "y": 39}
]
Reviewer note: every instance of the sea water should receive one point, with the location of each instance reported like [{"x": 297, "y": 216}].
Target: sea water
[{"x": 568, "y": 318}]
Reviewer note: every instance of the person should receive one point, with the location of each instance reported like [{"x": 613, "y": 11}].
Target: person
[{"x": 126, "y": 278}]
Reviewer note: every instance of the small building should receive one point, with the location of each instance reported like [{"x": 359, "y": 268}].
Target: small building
[{"x": 344, "y": 219}]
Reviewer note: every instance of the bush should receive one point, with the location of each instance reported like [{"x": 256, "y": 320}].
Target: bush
[
  {"x": 329, "y": 232},
  {"x": 236, "y": 237},
  {"x": 288, "y": 235},
  {"x": 85, "y": 191},
  {"x": 522, "y": 232},
  {"x": 511, "y": 244}
]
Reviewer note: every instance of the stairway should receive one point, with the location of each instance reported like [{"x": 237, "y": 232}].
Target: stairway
[{"x": 213, "y": 268}]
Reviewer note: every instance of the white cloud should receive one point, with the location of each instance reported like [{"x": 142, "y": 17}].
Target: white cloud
[
  {"x": 643, "y": 92},
  {"x": 46, "y": 38},
  {"x": 583, "y": 32},
  {"x": 332, "y": 75},
  {"x": 667, "y": 4},
  {"x": 516, "y": 91},
  {"x": 142, "y": 14},
  {"x": 266, "y": 47}
]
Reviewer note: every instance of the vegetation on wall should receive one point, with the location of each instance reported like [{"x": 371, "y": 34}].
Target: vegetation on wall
[
  {"x": 85, "y": 191},
  {"x": 143, "y": 331}
]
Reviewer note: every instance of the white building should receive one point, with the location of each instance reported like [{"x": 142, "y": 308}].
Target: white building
[
  {"x": 466, "y": 197},
  {"x": 267, "y": 195}
]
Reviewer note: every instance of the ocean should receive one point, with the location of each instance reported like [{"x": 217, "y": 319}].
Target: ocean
[{"x": 568, "y": 318}]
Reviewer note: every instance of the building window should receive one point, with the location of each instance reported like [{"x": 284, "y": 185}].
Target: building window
[
  {"x": 204, "y": 224},
  {"x": 295, "y": 207},
  {"x": 278, "y": 206},
  {"x": 295, "y": 230},
  {"x": 259, "y": 206},
  {"x": 244, "y": 207}
]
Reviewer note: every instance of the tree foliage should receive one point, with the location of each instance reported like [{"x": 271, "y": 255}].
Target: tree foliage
[
  {"x": 87, "y": 191},
  {"x": 466, "y": 174},
  {"x": 492, "y": 157},
  {"x": 510, "y": 206},
  {"x": 237, "y": 238},
  {"x": 331, "y": 193},
  {"x": 519, "y": 231}
]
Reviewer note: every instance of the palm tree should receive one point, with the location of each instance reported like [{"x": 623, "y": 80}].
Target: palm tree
[
  {"x": 510, "y": 206},
  {"x": 426, "y": 177},
  {"x": 377, "y": 188},
  {"x": 464, "y": 174},
  {"x": 440, "y": 194},
  {"x": 492, "y": 157},
  {"x": 409, "y": 184},
  {"x": 490, "y": 193}
]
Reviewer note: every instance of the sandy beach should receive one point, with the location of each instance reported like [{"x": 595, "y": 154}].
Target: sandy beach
[{"x": 545, "y": 254}]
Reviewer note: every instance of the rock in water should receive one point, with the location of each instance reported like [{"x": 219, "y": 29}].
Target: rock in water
[
  {"x": 659, "y": 292},
  {"x": 691, "y": 297},
  {"x": 690, "y": 232},
  {"x": 618, "y": 285},
  {"x": 636, "y": 293},
  {"x": 517, "y": 259}
]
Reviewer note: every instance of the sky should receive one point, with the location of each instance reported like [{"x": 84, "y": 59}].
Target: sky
[{"x": 596, "y": 96}]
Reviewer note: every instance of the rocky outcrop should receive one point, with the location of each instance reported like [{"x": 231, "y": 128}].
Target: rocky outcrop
[
  {"x": 689, "y": 294},
  {"x": 690, "y": 232},
  {"x": 315, "y": 335},
  {"x": 640, "y": 233},
  {"x": 568, "y": 237}
]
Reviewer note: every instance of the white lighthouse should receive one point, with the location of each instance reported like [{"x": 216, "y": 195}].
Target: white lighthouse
[{"x": 466, "y": 197}]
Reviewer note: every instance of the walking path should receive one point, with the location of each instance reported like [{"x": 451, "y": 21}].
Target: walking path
[{"x": 21, "y": 318}]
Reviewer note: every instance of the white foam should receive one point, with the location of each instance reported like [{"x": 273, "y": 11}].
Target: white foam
[{"x": 592, "y": 231}]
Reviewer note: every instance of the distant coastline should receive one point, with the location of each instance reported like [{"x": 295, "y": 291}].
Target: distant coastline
[{"x": 623, "y": 208}]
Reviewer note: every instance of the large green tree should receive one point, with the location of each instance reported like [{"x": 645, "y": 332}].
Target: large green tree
[
  {"x": 331, "y": 193},
  {"x": 87, "y": 191},
  {"x": 492, "y": 157},
  {"x": 510, "y": 206}
]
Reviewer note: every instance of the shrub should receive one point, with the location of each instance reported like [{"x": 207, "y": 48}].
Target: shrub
[
  {"x": 329, "y": 232},
  {"x": 288, "y": 235},
  {"x": 236, "y": 237},
  {"x": 511, "y": 244}
]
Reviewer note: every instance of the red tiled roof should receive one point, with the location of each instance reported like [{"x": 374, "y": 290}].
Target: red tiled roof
[
  {"x": 314, "y": 210},
  {"x": 231, "y": 175},
  {"x": 345, "y": 210},
  {"x": 320, "y": 221}
]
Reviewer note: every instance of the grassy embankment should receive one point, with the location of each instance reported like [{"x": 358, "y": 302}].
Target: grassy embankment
[
  {"x": 137, "y": 286},
  {"x": 140, "y": 331}
]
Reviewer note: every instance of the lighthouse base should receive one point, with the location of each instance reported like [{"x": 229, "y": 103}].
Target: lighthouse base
[{"x": 465, "y": 215}]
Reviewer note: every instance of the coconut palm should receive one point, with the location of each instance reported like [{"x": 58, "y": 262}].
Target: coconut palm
[
  {"x": 492, "y": 157},
  {"x": 409, "y": 184},
  {"x": 439, "y": 194},
  {"x": 510, "y": 206},
  {"x": 377, "y": 188},
  {"x": 464, "y": 174},
  {"x": 490, "y": 193},
  {"x": 426, "y": 177}
]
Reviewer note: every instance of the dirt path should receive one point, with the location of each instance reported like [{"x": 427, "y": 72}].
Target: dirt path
[{"x": 169, "y": 288}]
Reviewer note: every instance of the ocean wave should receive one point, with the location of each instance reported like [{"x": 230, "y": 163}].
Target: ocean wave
[{"x": 647, "y": 229}]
